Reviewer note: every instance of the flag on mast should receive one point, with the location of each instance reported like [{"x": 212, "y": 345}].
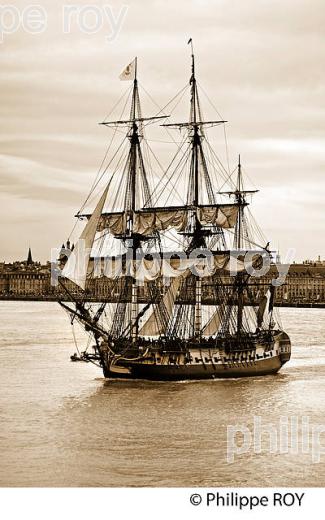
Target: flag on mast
[{"x": 128, "y": 74}]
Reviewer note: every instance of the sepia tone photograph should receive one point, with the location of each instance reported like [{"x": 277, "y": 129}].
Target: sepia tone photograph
[{"x": 162, "y": 267}]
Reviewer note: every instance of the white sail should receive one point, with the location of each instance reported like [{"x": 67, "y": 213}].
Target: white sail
[
  {"x": 212, "y": 326},
  {"x": 77, "y": 264},
  {"x": 265, "y": 306},
  {"x": 153, "y": 326}
]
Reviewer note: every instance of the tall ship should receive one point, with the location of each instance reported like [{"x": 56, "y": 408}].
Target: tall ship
[{"x": 180, "y": 252}]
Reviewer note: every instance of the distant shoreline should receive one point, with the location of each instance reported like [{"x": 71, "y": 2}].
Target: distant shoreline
[{"x": 31, "y": 298}]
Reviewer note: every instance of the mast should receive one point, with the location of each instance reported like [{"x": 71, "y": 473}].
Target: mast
[
  {"x": 240, "y": 229},
  {"x": 239, "y": 201},
  {"x": 195, "y": 127},
  {"x": 134, "y": 150},
  {"x": 239, "y": 244},
  {"x": 134, "y": 140},
  {"x": 135, "y": 170},
  {"x": 196, "y": 232},
  {"x": 196, "y": 141}
]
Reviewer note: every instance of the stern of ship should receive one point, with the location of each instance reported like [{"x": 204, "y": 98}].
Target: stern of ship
[{"x": 283, "y": 344}]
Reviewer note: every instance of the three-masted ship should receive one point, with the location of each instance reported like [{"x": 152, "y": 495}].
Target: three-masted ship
[{"x": 181, "y": 302}]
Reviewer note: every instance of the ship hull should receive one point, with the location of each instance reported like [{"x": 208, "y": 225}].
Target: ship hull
[
  {"x": 195, "y": 372},
  {"x": 204, "y": 364}
]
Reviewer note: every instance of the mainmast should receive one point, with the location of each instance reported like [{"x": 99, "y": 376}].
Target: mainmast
[
  {"x": 198, "y": 163},
  {"x": 196, "y": 144},
  {"x": 196, "y": 140},
  {"x": 196, "y": 232}
]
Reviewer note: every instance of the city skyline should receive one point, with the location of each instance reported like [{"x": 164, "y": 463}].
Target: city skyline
[
  {"x": 57, "y": 86},
  {"x": 24, "y": 258}
]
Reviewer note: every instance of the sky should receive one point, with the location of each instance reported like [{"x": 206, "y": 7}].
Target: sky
[{"x": 261, "y": 62}]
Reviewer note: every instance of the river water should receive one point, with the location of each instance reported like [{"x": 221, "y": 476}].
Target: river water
[{"x": 62, "y": 424}]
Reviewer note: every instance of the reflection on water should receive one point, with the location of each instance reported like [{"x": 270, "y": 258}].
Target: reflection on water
[{"x": 63, "y": 425}]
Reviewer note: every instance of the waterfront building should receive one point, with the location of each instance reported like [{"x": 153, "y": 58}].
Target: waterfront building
[
  {"x": 25, "y": 278},
  {"x": 305, "y": 283}
]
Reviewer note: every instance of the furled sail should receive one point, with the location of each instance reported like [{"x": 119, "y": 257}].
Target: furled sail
[
  {"x": 115, "y": 223},
  {"x": 77, "y": 264},
  {"x": 224, "y": 216},
  {"x": 146, "y": 222},
  {"x": 148, "y": 270}
]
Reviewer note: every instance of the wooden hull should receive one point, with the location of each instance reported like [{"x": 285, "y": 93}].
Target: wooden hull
[
  {"x": 204, "y": 364},
  {"x": 186, "y": 372}
]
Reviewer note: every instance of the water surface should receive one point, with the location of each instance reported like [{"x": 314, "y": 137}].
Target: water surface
[{"x": 62, "y": 424}]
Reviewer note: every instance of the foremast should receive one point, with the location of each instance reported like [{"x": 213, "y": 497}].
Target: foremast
[
  {"x": 136, "y": 176},
  {"x": 135, "y": 168},
  {"x": 130, "y": 199}
]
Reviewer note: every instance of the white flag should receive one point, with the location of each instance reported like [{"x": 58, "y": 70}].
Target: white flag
[{"x": 129, "y": 72}]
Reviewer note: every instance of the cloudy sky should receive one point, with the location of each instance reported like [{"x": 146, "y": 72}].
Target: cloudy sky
[{"x": 261, "y": 61}]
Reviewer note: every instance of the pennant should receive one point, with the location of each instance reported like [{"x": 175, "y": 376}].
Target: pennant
[{"x": 128, "y": 74}]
